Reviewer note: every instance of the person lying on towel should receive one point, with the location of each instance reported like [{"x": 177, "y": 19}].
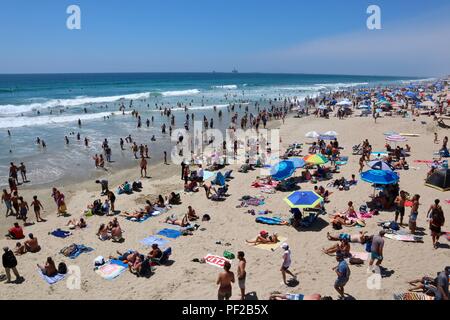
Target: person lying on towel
[{"x": 264, "y": 238}]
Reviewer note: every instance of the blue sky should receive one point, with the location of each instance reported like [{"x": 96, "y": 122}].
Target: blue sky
[{"x": 298, "y": 36}]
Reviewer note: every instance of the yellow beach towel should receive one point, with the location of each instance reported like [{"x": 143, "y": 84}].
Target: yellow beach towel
[{"x": 269, "y": 247}]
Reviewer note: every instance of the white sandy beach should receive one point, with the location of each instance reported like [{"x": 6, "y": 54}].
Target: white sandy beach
[{"x": 189, "y": 280}]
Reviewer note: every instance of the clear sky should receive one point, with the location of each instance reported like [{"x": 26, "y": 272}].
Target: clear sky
[{"x": 298, "y": 36}]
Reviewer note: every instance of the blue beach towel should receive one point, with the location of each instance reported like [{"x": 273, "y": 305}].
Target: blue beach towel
[
  {"x": 79, "y": 250},
  {"x": 51, "y": 280},
  {"x": 154, "y": 239},
  {"x": 269, "y": 220},
  {"x": 169, "y": 233},
  {"x": 219, "y": 180},
  {"x": 207, "y": 175},
  {"x": 60, "y": 233}
]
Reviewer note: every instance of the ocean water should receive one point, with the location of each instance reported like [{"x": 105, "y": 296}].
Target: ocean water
[{"x": 49, "y": 105}]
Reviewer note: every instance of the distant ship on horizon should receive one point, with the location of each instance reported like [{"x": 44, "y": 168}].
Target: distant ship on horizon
[{"x": 234, "y": 71}]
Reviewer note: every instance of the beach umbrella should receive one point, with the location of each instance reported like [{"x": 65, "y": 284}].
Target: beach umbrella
[
  {"x": 312, "y": 134},
  {"x": 303, "y": 199},
  {"x": 390, "y": 133},
  {"x": 326, "y": 137},
  {"x": 428, "y": 104},
  {"x": 315, "y": 159},
  {"x": 396, "y": 138},
  {"x": 380, "y": 165},
  {"x": 440, "y": 179},
  {"x": 344, "y": 103},
  {"x": 330, "y": 133},
  {"x": 298, "y": 162},
  {"x": 383, "y": 102},
  {"x": 410, "y": 94},
  {"x": 282, "y": 170},
  {"x": 363, "y": 106},
  {"x": 380, "y": 177}
]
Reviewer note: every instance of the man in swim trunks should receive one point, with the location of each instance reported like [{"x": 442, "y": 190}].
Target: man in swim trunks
[
  {"x": 224, "y": 281},
  {"x": 241, "y": 273},
  {"x": 400, "y": 206},
  {"x": 343, "y": 274},
  {"x": 414, "y": 213},
  {"x": 377, "y": 249},
  {"x": 361, "y": 237}
]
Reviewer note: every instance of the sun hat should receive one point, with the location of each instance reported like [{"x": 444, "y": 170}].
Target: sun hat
[{"x": 285, "y": 246}]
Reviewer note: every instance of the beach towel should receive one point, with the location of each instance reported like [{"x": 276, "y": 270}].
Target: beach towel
[
  {"x": 360, "y": 255},
  {"x": 412, "y": 296},
  {"x": 207, "y": 175},
  {"x": 341, "y": 162},
  {"x": 410, "y": 134},
  {"x": 423, "y": 161},
  {"x": 111, "y": 269},
  {"x": 270, "y": 220},
  {"x": 74, "y": 250},
  {"x": 51, "y": 280},
  {"x": 154, "y": 239},
  {"x": 61, "y": 233},
  {"x": 382, "y": 154},
  {"x": 216, "y": 261},
  {"x": 446, "y": 235},
  {"x": 270, "y": 247},
  {"x": 219, "y": 179},
  {"x": 169, "y": 233},
  {"x": 144, "y": 218},
  {"x": 403, "y": 237}
]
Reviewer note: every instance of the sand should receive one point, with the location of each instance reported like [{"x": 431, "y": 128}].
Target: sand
[{"x": 184, "y": 279}]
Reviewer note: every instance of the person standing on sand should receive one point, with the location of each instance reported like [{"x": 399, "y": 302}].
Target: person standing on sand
[
  {"x": 436, "y": 218},
  {"x": 165, "y": 157},
  {"x": 414, "y": 214},
  {"x": 6, "y": 198},
  {"x": 143, "y": 167},
  {"x": 377, "y": 249},
  {"x": 13, "y": 172},
  {"x": 10, "y": 263},
  {"x": 241, "y": 273},
  {"x": 286, "y": 263},
  {"x": 400, "y": 206},
  {"x": 225, "y": 279},
  {"x": 343, "y": 274},
  {"x": 37, "y": 205}
]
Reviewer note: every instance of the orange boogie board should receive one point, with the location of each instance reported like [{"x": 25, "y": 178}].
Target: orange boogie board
[{"x": 216, "y": 261}]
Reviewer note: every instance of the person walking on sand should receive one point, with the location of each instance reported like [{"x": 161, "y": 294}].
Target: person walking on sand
[
  {"x": 377, "y": 249},
  {"x": 343, "y": 274},
  {"x": 143, "y": 167},
  {"x": 37, "y": 206},
  {"x": 286, "y": 263},
  {"x": 436, "y": 218},
  {"x": 414, "y": 213},
  {"x": 23, "y": 172},
  {"x": 224, "y": 281},
  {"x": 6, "y": 198},
  {"x": 10, "y": 263},
  {"x": 241, "y": 273}
]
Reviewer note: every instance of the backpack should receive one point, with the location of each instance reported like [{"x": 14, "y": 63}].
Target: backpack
[
  {"x": 62, "y": 268},
  {"x": 356, "y": 261},
  {"x": 337, "y": 226}
]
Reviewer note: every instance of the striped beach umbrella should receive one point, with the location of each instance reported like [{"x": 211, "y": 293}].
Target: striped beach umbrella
[
  {"x": 396, "y": 138},
  {"x": 315, "y": 159}
]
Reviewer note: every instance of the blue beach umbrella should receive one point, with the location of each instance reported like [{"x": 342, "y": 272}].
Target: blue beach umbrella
[
  {"x": 298, "y": 162},
  {"x": 303, "y": 199},
  {"x": 380, "y": 177},
  {"x": 282, "y": 170},
  {"x": 380, "y": 165}
]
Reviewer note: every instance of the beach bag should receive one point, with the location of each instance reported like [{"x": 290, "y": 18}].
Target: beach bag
[
  {"x": 353, "y": 260},
  {"x": 206, "y": 217},
  {"x": 99, "y": 261},
  {"x": 62, "y": 208},
  {"x": 62, "y": 268},
  {"x": 337, "y": 226},
  {"x": 363, "y": 208},
  {"x": 394, "y": 226},
  {"x": 228, "y": 255}
]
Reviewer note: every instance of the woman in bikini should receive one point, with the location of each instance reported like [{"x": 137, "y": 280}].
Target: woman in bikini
[
  {"x": 102, "y": 233},
  {"x": 182, "y": 223},
  {"x": 49, "y": 269},
  {"x": 264, "y": 238}
]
